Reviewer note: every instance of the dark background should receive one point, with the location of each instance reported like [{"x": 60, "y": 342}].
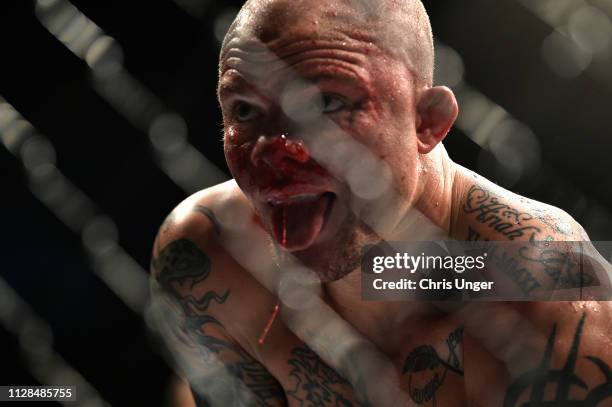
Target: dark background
[{"x": 55, "y": 295}]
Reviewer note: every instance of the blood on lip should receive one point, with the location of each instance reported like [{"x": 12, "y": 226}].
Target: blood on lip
[
  {"x": 295, "y": 225},
  {"x": 277, "y": 172}
]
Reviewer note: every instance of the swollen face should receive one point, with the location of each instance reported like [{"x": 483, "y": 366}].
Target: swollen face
[
  {"x": 301, "y": 204},
  {"x": 315, "y": 134},
  {"x": 291, "y": 193}
]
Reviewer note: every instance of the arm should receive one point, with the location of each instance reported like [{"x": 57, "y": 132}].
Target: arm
[
  {"x": 213, "y": 310},
  {"x": 551, "y": 350},
  {"x": 189, "y": 298},
  {"x": 539, "y": 250}
]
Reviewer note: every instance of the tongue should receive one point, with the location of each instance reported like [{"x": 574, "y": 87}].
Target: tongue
[{"x": 297, "y": 225}]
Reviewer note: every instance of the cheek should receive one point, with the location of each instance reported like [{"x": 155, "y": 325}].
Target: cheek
[
  {"x": 395, "y": 97},
  {"x": 377, "y": 130},
  {"x": 364, "y": 126},
  {"x": 238, "y": 158},
  {"x": 395, "y": 146}
]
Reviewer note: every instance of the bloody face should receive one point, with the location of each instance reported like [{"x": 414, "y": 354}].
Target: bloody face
[
  {"x": 307, "y": 103},
  {"x": 291, "y": 193}
]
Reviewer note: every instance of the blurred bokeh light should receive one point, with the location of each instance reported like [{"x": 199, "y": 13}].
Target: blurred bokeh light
[{"x": 109, "y": 118}]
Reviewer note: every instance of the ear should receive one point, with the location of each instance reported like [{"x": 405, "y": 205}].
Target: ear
[{"x": 436, "y": 112}]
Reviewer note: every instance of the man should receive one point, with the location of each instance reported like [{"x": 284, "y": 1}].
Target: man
[{"x": 333, "y": 131}]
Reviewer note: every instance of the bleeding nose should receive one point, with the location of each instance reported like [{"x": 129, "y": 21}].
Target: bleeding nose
[{"x": 277, "y": 152}]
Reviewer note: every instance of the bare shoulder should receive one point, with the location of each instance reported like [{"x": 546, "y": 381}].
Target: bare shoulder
[
  {"x": 212, "y": 256},
  {"x": 487, "y": 211},
  {"x": 220, "y": 222},
  {"x": 187, "y": 247},
  {"x": 193, "y": 253},
  {"x": 540, "y": 342},
  {"x": 540, "y": 250},
  {"x": 205, "y": 303},
  {"x": 199, "y": 217}
]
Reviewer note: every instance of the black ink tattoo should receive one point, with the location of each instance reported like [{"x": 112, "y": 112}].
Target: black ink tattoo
[
  {"x": 210, "y": 215},
  {"x": 427, "y": 371},
  {"x": 181, "y": 266},
  {"x": 500, "y": 217},
  {"x": 474, "y": 236},
  {"x": 317, "y": 384},
  {"x": 539, "y": 378},
  {"x": 558, "y": 261},
  {"x": 500, "y": 260},
  {"x": 261, "y": 383}
]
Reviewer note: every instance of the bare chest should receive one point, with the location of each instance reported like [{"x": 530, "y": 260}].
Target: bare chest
[{"x": 428, "y": 367}]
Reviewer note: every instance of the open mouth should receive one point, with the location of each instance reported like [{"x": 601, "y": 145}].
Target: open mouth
[{"x": 298, "y": 221}]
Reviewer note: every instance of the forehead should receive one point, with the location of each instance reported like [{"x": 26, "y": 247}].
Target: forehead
[
  {"x": 272, "y": 22},
  {"x": 267, "y": 19},
  {"x": 270, "y": 37},
  {"x": 273, "y": 42}
]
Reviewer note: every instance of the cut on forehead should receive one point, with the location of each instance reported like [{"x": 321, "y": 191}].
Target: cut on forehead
[{"x": 400, "y": 27}]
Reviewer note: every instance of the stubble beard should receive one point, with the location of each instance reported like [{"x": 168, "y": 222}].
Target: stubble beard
[{"x": 332, "y": 261}]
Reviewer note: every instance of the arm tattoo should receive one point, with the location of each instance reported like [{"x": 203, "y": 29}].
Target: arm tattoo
[
  {"x": 317, "y": 384},
  {"x": 170, "y": 220},
  {"x": 558, "y": 261},
  {"x": 427, "y": 371},
  {"x": 181, "y": 266},
  {"x": 560, "y": 265},
  {"x": 210, "y": 215},
  {"x": 502, "y": 218},
  {"x": 534, "y": 382},
  {"x": 506, "y": 263}
]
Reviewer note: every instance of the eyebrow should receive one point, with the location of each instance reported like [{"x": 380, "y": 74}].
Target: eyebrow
[{"x": 235, "y": 83}]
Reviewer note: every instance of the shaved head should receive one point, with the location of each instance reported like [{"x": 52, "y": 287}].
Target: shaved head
[
  {"x": 400, "y": 28},
  {"x": 329, "y": 118}
]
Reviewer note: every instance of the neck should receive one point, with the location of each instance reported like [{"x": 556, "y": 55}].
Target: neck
[
  {"x": 437, "y": 186},
  {"x": 431, "y": 217}
]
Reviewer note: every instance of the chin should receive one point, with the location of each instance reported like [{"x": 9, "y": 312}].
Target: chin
[
  {"x": 332, "y": 260},
  {"x": 333, "y": 247}
]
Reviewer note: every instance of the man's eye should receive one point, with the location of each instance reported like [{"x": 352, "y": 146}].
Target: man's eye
[
  {"x": 331, "y": 103},
  {"x": 244, "y": 112}
]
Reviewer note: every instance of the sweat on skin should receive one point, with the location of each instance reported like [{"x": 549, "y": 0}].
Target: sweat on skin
[
  {"x": 354, "y": 75},
  {"x": 345, "y": 86}
]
